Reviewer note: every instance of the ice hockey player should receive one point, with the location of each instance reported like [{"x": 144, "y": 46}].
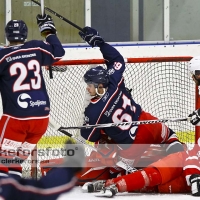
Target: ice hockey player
[
  {"x": 113, "y": 103},
  {"x": 25, "y": 100},
  {"x": 167, "y": 175},
  {"x": 176, "y": 173}
]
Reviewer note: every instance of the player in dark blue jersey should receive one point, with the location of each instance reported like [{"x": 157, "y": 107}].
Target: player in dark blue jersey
[
  {"x": 60, "y": 179},
  {"x": 113, "y": 103},
  {"x": 25, "y": 100}
]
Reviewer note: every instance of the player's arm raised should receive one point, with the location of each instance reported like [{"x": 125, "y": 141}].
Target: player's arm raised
[{"x": 52, "y": 46}]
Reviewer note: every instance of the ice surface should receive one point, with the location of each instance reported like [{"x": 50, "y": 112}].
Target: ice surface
[{"x": 77, "y": 193}]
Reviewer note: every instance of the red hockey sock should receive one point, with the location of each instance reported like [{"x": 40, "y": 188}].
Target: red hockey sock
[
  {"x": 138, "y": 180},
  {"x": 15, "y": 169},
  {"x": 154, "y": 176},
  {"x": 3, "y": 169}
]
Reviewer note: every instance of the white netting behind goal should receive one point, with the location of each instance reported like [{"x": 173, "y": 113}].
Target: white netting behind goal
[{"x": 161, "y": 86}]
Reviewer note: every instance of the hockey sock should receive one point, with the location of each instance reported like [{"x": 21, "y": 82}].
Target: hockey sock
[
  {"x": 3, "y": 170},
  {"x": 15, "y": 170},
  {"x": 138, "y": 180}
]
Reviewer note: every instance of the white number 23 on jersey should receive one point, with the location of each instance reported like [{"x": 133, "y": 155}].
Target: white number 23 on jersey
[{"x": 22, "y": 71}]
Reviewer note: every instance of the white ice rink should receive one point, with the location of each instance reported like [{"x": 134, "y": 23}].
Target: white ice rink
[{"x": 77, "y": 194}]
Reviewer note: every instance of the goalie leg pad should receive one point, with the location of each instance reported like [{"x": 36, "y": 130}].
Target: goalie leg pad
[{"x": 176, "y": 185}]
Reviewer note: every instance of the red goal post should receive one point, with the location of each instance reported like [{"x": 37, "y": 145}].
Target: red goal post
[
  {"x": 127, "y": 60},
  {"x": 161, "y": 85}
]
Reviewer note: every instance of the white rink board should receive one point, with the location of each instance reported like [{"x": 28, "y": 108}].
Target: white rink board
[{"x": 132, "y": 50}]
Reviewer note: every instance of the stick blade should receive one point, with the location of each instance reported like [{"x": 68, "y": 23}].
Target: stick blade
[{"x": 53, "y": 124}]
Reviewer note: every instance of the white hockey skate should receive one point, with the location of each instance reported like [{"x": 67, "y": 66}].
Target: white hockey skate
[
  {"x": 93, "y": 186},
  {"x": 109, "y": 191}
]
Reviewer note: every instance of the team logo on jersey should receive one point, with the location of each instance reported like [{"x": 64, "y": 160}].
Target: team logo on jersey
[
  {"x": 22, "y": 100},
  {"x": 106, "y": 95},
  {"x": 132, "y": 132},
  {"x": 9, "y": 59}
]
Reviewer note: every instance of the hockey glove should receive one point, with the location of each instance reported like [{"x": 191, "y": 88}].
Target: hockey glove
[
  {"x": 46, "y": 25},
  {"x": 195, "y": 117},
  {"x": 195, "y": 184},
  {"x": 91, "y": 36}
]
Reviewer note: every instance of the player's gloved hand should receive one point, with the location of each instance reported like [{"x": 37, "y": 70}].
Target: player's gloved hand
[
  {"x": 46, "y": 25},
  {"x": 91, "y": 36},
  {"x": 195, "y": 117},
  {"x": 74, "y": 156}
]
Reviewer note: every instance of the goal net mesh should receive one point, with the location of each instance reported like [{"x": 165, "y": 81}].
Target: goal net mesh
[{"x": 161, "y": 86}]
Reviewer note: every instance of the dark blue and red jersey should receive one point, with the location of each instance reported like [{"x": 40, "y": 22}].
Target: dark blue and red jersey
[
  {"x": 115, "y": 106},
  {"x": 22, "y": 85},
  {"x": 59, "y": 180}
]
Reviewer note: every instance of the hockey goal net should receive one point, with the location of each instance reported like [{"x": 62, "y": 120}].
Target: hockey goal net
[{"x": 161, "y": 85}]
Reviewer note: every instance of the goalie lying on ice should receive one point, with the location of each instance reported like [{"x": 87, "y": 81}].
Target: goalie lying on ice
[
  {"x": 157, "y": 172},
  {"x": 101, "y": 165},
  {"x": 176, "y": 173}
]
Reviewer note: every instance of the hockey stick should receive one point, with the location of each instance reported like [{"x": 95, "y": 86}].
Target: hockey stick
[
  {"x": 56, "y": 127},
  {"x": 120, "y": 163},
  {"x": 42, "y": 7},
  {"x": 127, "y": 123},
  {"x": 59, "y": 16},
  {"x": 42, "y": 13}
]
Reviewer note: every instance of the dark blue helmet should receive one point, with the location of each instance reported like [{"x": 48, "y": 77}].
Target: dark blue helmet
[
  {"x": 96, "y": 76},
  {"x": 16, "y": 30}
]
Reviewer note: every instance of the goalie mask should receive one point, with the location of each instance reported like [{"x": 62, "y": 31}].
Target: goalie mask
[
  {"x": 96, "y": 76},
  {"x": 16, "y": 30},
  {"x": 194, "y": 66}
]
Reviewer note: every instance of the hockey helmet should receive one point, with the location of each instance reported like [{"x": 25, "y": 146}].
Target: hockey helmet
[
  {"x": 194, "y": 66},
  {"x": 16, "y": 30},
  {"x": 97, "y": 75}
]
